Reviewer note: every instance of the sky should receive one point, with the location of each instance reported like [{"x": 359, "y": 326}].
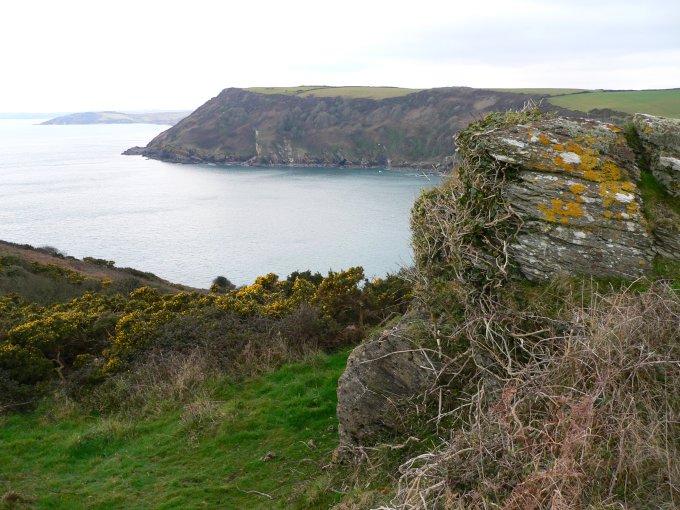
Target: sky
[{"x": 83, "y": 55}]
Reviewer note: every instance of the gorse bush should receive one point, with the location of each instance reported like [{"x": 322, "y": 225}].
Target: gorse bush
[{"x": 90, "y": 338}]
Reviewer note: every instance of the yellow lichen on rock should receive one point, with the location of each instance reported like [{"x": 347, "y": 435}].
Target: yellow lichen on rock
[
  {"x": 560, "y": 210},
  {"x": 572, "y": 147},
  {"x": 633, "y": 208}
]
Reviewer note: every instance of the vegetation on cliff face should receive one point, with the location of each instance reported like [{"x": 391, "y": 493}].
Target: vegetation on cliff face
[
  {"x": 362, "y": 126},
  {"x": 291, "y": 128}
]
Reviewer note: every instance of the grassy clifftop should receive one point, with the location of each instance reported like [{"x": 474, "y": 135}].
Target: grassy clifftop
[{"x": 350, "y": 92}]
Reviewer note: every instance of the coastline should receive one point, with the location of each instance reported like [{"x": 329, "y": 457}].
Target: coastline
[{"x": 440, "y": 169}]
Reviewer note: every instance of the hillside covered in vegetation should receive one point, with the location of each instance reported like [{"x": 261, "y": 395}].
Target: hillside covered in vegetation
[
  {"x": 489, "y": 375},
  {"x": 98, "y": 364},
  {"x": 365, "y": 126},
  {"x": 341, "y": 126}
]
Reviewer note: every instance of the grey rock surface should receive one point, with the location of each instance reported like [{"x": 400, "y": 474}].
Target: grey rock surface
[
  {"x": 381, "y": 374},
  {"x": 666, "y": 231},
  {"x": 660, "y": 137},
  {"x": 573, "y": 185}
]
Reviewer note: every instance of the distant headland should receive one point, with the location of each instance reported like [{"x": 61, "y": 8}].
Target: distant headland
[{"x": 110, "y": 117}]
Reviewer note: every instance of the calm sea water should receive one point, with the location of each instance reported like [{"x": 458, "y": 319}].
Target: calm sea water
[{"x": 69, "y": 187}]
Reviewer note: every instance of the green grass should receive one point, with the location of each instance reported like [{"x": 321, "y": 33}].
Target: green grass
[
  {"x": 654, "y": 102},
  {"x": 352, "y": 92},
  {"x": 654, "y": 195},
  {"x": 290, "y": 91},
  {"x": 185, "y": 460},
  {"x": 546, "y": 91}
]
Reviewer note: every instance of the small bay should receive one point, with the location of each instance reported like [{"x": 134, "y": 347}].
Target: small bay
[{"x": 70, "y": 187}]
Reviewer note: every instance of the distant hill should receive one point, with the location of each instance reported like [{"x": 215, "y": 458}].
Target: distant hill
[
  {"x": 170, "y": 118},
  {"x": 328, "y": 126}
]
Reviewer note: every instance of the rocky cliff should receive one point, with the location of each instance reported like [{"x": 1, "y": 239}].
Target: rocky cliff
[
  {"x": 535, "y": 197},
  {"x": 244, "y": 127}
]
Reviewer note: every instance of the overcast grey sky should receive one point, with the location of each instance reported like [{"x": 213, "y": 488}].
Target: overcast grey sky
[{"x": 77, "y": 55}]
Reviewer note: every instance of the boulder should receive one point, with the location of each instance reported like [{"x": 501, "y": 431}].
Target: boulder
[
  {"x": 381, "y": 375},
  {"x": 660, "y": 138},
  {"x": 573, "y": 185}
]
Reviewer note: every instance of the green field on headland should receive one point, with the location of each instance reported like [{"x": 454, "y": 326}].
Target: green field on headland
[
  {"x": 653, "y": 102},
  {"x": 352, "y": 92},
  {"x": 542, "y": 91}
]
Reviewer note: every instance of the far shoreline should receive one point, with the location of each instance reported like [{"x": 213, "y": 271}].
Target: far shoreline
[{"x": 430, "y": 170}]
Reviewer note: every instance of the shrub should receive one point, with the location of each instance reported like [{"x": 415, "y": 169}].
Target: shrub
[
  {"x": 221, "y": 284},
  {"x": 100, "y": 262}
]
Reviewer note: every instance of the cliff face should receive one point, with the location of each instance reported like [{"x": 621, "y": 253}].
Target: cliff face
[{"x": 244, "y": 127}]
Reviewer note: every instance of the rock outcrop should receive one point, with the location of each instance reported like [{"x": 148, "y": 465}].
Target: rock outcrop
[
  {"x": 558, "y": 196},
  {"x": 661, "y": 139},
  {"x": 573, "y": 185},
  {"x": 380, "y": 376}
]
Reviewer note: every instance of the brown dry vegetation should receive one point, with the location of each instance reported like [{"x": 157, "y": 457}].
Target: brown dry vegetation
[
  {"x": 560, "y": 395},
  {"x": 580, "y": 410}
]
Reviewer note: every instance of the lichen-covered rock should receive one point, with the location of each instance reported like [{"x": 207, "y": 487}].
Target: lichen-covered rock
[
  {"x": 666, "y": 232},
  {"x": 660, "y": 137},
  {"x": 380, "y": 376},
  {"x": 557, "y": 196},
  {"x": 573, "y": 185}
]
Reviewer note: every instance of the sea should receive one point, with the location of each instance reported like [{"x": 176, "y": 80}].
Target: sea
[{"x": 69, "y": 187}]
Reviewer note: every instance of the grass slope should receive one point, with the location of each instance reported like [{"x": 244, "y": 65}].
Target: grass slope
[
  {"x": 203, "y": 455},
  {"x": 351, "y": 92},
  {"x": 654, "y": 102}
]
